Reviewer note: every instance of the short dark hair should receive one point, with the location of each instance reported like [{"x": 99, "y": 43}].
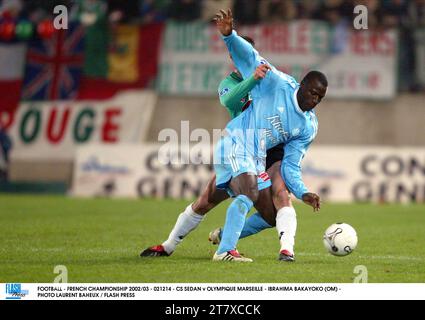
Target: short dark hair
[
  {"x": 316, "y": 75},
  {"x": 249, "y": 39}
]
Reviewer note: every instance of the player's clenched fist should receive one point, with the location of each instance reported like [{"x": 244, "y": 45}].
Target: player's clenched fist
[{"x": 261, "y": 71}]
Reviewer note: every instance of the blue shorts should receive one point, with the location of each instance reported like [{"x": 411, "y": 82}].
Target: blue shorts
[{"x": 232, "y": 158}]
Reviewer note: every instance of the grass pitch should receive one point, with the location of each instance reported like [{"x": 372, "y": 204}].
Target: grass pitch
[{"x": 100, "y": 240}]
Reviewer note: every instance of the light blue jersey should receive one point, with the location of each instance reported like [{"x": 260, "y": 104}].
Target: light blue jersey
[{"x": 275, "y": 117}]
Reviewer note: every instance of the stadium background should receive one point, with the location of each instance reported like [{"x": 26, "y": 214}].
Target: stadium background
[{"x": 82, "y": 110}]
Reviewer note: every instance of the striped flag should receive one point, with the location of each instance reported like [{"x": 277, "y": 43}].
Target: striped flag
[{"x": 12, "y": 63}]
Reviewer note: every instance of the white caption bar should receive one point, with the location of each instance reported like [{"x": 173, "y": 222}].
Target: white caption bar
[{"x": 209, "y": 291}]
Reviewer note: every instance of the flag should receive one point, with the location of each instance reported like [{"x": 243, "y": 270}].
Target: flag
[
  {"x": 12, "y": 63},
  {"x": 123, "y": 56},
  {"x": 131, "y": 58},
  {"x": 12, "y": 60},
  {"x": 54, "y": 66},
  {"x": 96, "y": 50}
]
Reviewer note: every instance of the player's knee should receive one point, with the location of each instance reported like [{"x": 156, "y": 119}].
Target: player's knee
[
  {"x": 252, "y": 193},
  {"x": 246, "y": 185}
]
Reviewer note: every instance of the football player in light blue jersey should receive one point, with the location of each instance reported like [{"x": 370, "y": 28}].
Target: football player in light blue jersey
[
  {"x": 282, "y": 112},
  {"x": 234, "y": 95}
]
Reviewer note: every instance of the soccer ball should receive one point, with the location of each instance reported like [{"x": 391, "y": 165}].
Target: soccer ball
[{"x": 340, "y": 239}]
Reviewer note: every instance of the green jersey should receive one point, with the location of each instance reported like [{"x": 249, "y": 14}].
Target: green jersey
[{"x": 234, "y": 93}]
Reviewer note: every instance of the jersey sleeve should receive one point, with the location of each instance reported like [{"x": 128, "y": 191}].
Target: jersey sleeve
[
  {"x": 231, "y": 97},
  {"x": 244, "y": 55},
  {"x": 246, "y": 60},
  {"x": 291, "y": 166}
]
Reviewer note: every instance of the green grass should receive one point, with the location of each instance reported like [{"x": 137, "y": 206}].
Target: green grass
[{"x": 100, "y": 240}]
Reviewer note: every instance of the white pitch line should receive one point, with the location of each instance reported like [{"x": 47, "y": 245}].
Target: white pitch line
[{"x": 387, "y": 257}]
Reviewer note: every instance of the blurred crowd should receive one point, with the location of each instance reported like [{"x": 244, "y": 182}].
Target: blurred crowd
[
  {"x": 408, "y": 16},
  {"x": 382, "y": 13}
]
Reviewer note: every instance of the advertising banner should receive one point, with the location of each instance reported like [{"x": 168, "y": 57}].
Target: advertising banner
[
  {"x": 366, "y": 174},
  {"x": 137, "y": 171},
  {"x": 363, "y": 64},
  {"x": 338, "y": 174},
  {"x": 53, "y": 129}
]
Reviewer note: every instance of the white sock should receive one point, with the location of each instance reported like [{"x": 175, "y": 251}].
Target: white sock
[
  {"x": 186, "y": 222},
  {"x": 286, "y": 225}
]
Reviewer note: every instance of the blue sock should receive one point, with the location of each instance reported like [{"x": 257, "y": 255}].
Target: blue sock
[
  {"x": 235, "y": 219},
  {"x": 254, "y": 224}
]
